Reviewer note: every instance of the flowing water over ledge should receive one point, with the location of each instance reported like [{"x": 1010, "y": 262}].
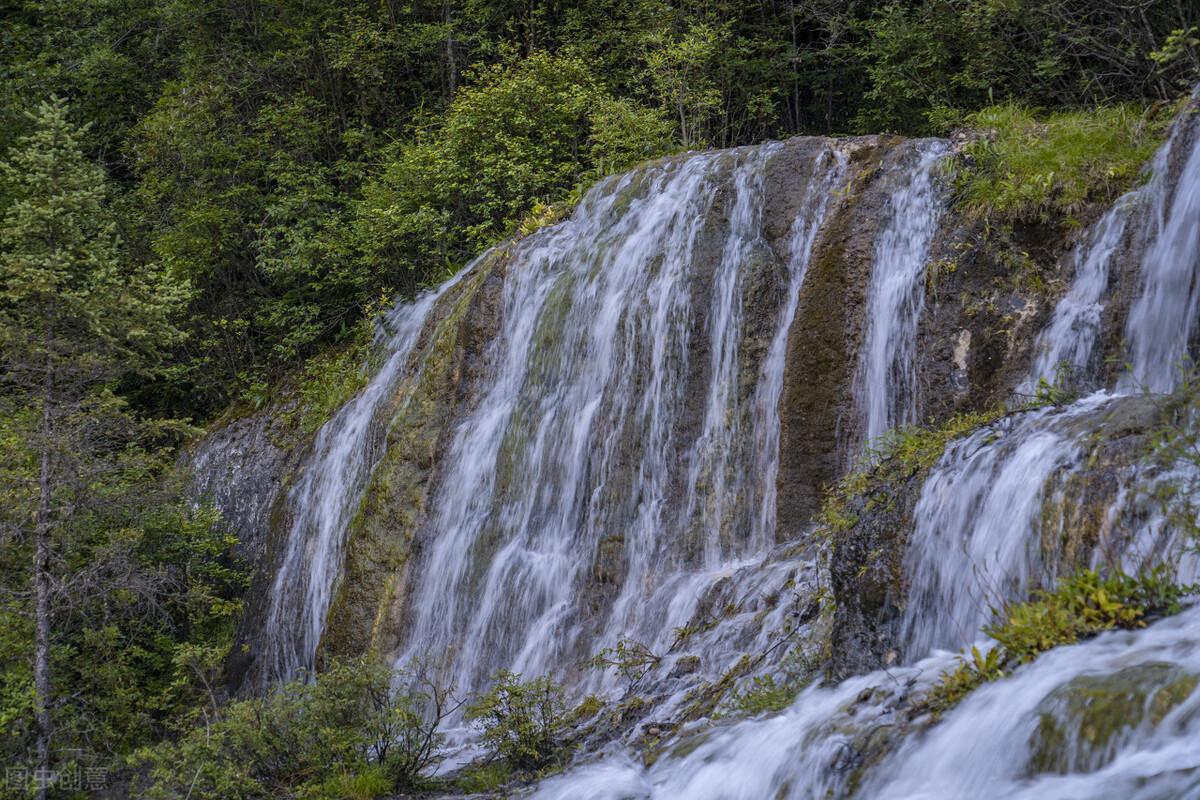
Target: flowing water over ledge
[{"x": 610, "y": 464}]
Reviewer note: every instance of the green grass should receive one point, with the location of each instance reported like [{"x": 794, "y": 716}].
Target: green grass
[
  {"x": 1082, "y": 606},
  {"x": 1055, "y": 167}
]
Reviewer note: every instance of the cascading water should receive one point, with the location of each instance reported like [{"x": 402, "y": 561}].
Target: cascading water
[
  {"x": 598, "y": 429},
  {"x": 1163, "y": 317},
  {"x": 1068, "y": 341},
  {"x": 1027, "y": 736},
  {"x": 322, "y": 502},
  {"x": 977, "y": 542},
  {"x": 615, "y": 475},
  {"x": 886, "y": 384}
]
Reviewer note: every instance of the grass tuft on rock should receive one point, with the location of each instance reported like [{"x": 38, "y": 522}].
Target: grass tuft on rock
[{"x": 1032, "y": 167}]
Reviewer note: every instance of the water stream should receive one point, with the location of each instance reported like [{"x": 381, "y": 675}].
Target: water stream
[{"x": 617, "y": 477}]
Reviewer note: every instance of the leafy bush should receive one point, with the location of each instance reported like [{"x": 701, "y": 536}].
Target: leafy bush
[
  {"x": 346, "y": 731},
  {"x": 1083, "y": 605},
  {"x": 631, "y": 659},
  {"x": 522, "y": 721},
  {"x": 1060, "y": 166},
  {"x": 518, "y": 136}
]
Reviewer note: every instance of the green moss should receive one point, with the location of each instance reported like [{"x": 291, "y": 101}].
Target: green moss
[
  {"x": 895, "y": 457},
  {"x": 1083, "y": 605},
  {"x": 1057, "y": 167},
  {"x": 1079, "y": 723}
]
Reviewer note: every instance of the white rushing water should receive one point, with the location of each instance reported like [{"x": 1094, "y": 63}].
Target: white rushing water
[
  {"x": 592, "y": 424},
  {"x": 323, "y": 501},
  {"x": 974, "y": 543},
  {"x": 887, "y": 379},
  {"x": 1163, "y": 317},
  {"x": 991, "y": 745},
  {"x": 1067, "y": 343}
]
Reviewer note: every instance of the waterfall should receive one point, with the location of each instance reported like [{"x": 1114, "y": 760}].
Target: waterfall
[
  {"x": 886, "y": 383},
  {"x": 977, "y": 529},
  {"x": 991, "y": 745},
  {"x": 324, "y": 499},
  {"x": 1163, "y": 317},
  {"x": 975, "y": 542},
  {"x": 598, "y": 427},
  {"x": 1068, "y": 341}
]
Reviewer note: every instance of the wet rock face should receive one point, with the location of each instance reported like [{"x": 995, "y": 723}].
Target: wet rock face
[
  {"x": 241, "y": 466},
  {"x": 1081, "y": 725},
  {"x": 817, "y": 412},
  {"x": 866, "y": 570},
  {"x": 980, "y": 321},
  {"x": 369, "y": 606}
]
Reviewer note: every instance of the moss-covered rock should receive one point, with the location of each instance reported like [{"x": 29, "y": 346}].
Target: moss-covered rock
[
  {"x": 1081, "y": 725},
  {"x": 817, "y": 418}
]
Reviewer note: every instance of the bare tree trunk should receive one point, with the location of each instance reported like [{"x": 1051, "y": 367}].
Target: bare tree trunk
[
  {"x": 451, "y": 66},
  {"x": 41, "y": 578}
]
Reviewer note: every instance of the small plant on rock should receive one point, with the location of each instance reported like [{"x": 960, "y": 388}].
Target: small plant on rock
[
  {"x": 632, "y": 660},
  {"x": 1083, "y": 605}
]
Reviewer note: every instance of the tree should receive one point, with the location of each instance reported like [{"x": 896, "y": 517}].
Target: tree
[{"x": 73, "y": 324}]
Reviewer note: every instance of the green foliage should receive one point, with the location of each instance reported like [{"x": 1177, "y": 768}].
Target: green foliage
[
  {"x": 328, "y": 380},
  {"x": 630, "y": 659},
  {"x": 485, "y": 778},
  {"x": 344, "y": 734},
  {"x": 897, "y": 456},
  {"x": 1054, "y": 167},
  {"x": 517, "y": 136},
  {"x": 138, "y": 590},
  {"x": 764, "y": 695},
  {"x": 367, "y": 784},
  {"x": 290, "y": 162},
  {"x": 906, "y": 45},
  {"x": 1180, "y": 54},
  {"x": 521, "y": 721},
  {"x": 1082, "y": 605},
  {"x": 1060, "y": 391}
]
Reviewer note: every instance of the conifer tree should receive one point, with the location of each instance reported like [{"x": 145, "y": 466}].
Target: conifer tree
[{"x": 74, "y": 323}]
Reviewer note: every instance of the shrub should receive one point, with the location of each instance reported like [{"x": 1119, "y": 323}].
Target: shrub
[
  {"x": 522, "y": 721},
  {"x": 1083, "y": 605},
  {"x": 346, "y": 731},
  {"x": 631, "y": 659}
]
